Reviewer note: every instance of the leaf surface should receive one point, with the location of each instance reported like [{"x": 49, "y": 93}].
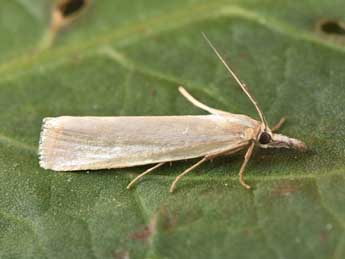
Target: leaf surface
[{"x": 128, "y": 58}]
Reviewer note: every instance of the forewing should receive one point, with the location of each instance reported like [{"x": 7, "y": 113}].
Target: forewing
[{"x": 86, "y": 143}]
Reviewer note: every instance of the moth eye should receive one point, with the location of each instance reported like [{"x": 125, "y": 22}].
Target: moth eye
[{"x": 265, "y": 138}]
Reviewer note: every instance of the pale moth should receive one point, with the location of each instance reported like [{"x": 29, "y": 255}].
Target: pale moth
[{"x": 90, "y": 143}]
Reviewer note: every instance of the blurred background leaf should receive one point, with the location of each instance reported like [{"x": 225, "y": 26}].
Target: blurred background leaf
[{"x": 128, "y": 58}]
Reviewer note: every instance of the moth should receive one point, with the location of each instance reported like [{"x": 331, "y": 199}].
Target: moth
[{"x": 90, "y": 143}]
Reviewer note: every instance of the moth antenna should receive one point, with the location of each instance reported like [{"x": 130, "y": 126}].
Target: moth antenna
[{"x": 242, "y": 85}]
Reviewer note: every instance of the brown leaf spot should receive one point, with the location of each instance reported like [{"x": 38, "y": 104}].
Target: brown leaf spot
[
  {"x": 69, "y": 7},
  {"x": 333, "y": 30},
  {"x": 66, "y": 11},
  {"x": 243, "y": 55},
  {"x": 265, "y": 157},
  {"x": 168, "y": 220},
  {"x": 146, "y": 233},
  {"x": 153, "y": 92},
  {"x": 284, "y": 189},
  {"x": 323, "y": 236},
  {"x": 121, "y": 255},
  {"x": 331, "y": 27}
]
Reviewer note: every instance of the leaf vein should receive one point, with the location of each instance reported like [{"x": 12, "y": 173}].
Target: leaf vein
[{"x": 158, "y": 24}]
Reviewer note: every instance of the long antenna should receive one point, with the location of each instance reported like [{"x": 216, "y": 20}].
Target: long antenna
[{"x": 242, "y": 85}]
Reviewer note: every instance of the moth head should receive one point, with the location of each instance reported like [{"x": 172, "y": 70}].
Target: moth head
[{"x": 267, "y": 139}]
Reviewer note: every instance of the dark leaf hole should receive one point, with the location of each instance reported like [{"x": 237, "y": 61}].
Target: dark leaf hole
[
  {"x": 332, "y": 27},
  {"x": 70, "y": 7}
]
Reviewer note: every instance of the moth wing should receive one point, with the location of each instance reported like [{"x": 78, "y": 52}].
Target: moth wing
[{"x": 88, "y": 143}]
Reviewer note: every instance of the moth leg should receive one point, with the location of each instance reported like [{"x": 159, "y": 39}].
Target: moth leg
[
  {"x": 198, "y": 104},
  {"x": 279, "y": 124},
  {"x": 173, "y": 185},
  {"x": 245, "y": 162},
  {"x": 143, "y": 174}
]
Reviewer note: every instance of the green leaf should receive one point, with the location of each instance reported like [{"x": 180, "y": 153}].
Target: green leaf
[{"x": 128, "y": 58}]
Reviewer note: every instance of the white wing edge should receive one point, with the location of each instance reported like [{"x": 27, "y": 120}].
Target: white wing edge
[{"x": 46, "y": 124}]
